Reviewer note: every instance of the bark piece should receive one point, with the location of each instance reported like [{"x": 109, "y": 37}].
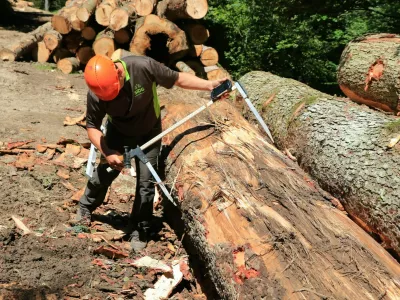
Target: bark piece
[
  {"x": 151, "y": 25},
  {"x": 86, "y": 9},
  {"x": 68, "y": 65},
  {"x": 122, "y": 16},
  {"x": 341, "y": 144},
  {"x": 369, "y": 71},
  {"x": 104, "y": 10},
  {"x": 255, "y": 218},
  {"x": 52, "y": 39},
  {"x": 40, "y": 53},
  {"x": 165, "y": 285},
  {"x": 182, "y": 9},
  {"x": 148, "y": 262},
  {"x": 25, "y": 46}
]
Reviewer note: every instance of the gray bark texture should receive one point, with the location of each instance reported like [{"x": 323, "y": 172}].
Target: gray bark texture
[
  {"x": 369, "y": 71},
  {"x": 341, "y": 144},
  {"x": 261, "y": 227}
]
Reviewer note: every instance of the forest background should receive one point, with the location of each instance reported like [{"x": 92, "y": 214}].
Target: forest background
[{"x": 299, "y": 39}]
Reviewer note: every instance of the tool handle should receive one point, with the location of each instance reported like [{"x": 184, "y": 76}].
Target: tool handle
[{"x": 127, "y": 158}]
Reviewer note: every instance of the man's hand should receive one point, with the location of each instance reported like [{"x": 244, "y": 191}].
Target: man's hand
[
  {"x": 114, "y": 160},
  {"x": 216, "y": 83}
]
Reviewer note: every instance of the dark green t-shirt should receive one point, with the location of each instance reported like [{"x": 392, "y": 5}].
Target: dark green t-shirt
[{"x": 136, "y": 109}]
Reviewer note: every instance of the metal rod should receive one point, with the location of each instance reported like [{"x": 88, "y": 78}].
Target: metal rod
[{"x": 176, "y": 125}]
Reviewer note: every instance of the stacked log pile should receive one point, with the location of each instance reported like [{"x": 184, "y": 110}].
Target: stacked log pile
[{"x": 170, "y": 31}]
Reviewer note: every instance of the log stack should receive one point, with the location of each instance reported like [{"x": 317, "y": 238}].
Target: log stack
[{"x": 170, "y": 31}]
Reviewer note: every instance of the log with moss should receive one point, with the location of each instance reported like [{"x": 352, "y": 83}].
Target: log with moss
[
  {"x": 255, "y": 219},
  {"x": 369, "y": 71},
  {"x": 346, "y": 147}
]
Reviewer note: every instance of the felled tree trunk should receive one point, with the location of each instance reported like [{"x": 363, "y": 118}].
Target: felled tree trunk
[
  {"x": 369, "y": 71},
  {"x": 151, "y": 25},
  {"x": 60, "y": 53},
  {"x": 259, "y": 225},
  {"x": 104, "y": 43},
  {"x": 182, "y": 9},
  {"x": 343, "y": 145},
  {"x": 86, "y": 9},
  {"x": 40, "y": 53},
  {"x": 197, "y": 33},
  {"x": 122, "y": 36},
  {"x": 68, "y": 65},
  {"x": 104, "y": 10},
  {"x": 25, "y": 46},
  {"x": 121, "y": 16},
  {"x": 88, "y": 33},
  {"x": 52, "y": 39},
  {"x": 216, "y": 72},
  {"x": 61, "y": 22},
  {"x": 84, "y": 54},
  {"x": 144, "y": 7}
]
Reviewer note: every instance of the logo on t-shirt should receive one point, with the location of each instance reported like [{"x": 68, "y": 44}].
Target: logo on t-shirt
[{"x": 138, "y": 89}]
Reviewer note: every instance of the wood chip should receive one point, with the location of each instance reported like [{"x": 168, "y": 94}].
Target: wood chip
[
  {"x": 21, "y": 225},
  {"x": 151, "y": 263}
]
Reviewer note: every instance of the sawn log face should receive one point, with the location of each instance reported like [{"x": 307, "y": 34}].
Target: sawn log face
[
  {"x": 343, "y": 145},
  {"x": 258, "y": 222}
]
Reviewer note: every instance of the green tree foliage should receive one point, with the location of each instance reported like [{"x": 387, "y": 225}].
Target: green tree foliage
[{"x": 300, "y": 39}]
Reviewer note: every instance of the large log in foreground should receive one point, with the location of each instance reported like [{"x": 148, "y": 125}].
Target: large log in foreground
[
  {"x": 262, "y": 228},
  {"x": 343, "y": 145},
  {"x": 369, "y": 71}
]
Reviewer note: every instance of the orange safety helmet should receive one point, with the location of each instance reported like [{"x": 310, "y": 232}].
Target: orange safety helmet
[{"x": 101, "y": 76}]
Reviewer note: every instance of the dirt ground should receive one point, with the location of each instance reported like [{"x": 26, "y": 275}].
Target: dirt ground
[{"x": 42, "y": 164}]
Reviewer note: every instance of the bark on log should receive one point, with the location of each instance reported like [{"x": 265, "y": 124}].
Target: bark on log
[
  {"x": 182, "y": 9},
  {"x": 84, "y": 53},
  {"x": 121, "y": 16},
  {"x": 197, "y": 33},
  {"x": 122, "y": 36},
  {"x": 104, "y": 43},
  {"x": 40, "y": 53},
  {"x": 183, "y": 67},
  {"x": 257, "y": 222},
  {"x": 86, "y": 9},
  {"x": 52, "y": 39},
  {"x": 151, "y": 25},
  {"x": 61, "y": 53},
  {"x": 144, "y": 7},
  {"x": 343, "y": 145},
  {"x": 68, "y": 65},
  {"x": 369, "y": 71},
  {"x": 120, "y": 53},
  {"x": 25, "y": 46},
  {"x": 104, "y": 10}
]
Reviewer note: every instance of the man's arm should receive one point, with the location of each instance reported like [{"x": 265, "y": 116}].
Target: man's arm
[
  {"x": 192, "y": 82},
  {"x": 97, "y": 139}
]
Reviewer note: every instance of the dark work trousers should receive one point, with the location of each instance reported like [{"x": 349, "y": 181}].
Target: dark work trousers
[{"x": 97, "y": 186}]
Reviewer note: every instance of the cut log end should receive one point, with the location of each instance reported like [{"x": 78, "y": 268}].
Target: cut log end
[
  {"x": 209, "y": 56},
  {"x": 7, "y": 55},
  {"x": 40, "y": 53},
  {"x": 103, "y": 13},
  {"x": 196, "y": 9},
  {"x": 68, "y": 65},
  {"x": 52, "y": 39},
  {"x": 84, "y": 54},
  {"x": 104, "y": 46},
  {"x": 119, "y": 19},
  {"x": 60, "y": 53},
  {"x": 83, "y": 14},
  {"x": 61, "y": 24},
  {"x": 122, "y": 36},
  {"x": 88, "y": 33},
  {"x": 144, "y": 7}
]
